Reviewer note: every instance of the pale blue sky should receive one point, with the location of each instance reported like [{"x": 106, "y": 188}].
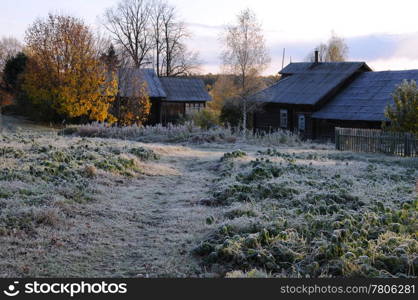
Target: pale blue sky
[{"x": 382, "y": 33}]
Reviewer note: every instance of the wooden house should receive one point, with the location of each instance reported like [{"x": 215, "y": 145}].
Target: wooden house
[
  {"x": 362, "y": 104},
  {"x": 172, "y": 98},
  {"x": 314, "y": 98},
  {"x": 303, "y": 89}
]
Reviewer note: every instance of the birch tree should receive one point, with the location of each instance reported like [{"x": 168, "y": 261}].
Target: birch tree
[
  {"x": 245, "y": 55},
  {"x": 335, "y": 50}
]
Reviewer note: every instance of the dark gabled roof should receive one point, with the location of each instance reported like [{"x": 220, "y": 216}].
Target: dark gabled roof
[
  {"x": 309, "y": 83},
  {"x": 366, "y": 98},
  {"x": 184, "y": 89},
  {"x": 166, "y": 88},
  {"x": 129, "y": 79},
  {"x": 327, "y": 67}
]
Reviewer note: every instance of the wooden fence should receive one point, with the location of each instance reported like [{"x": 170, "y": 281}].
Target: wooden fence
[{"x": 376, "y": 141}]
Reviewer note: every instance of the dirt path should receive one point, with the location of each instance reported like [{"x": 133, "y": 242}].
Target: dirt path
[
  {"x": 159, "y": 218},
  {"x": 140, "y": 227}
]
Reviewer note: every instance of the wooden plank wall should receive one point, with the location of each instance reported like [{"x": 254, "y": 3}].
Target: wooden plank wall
[{"x": 376, "y": 141}]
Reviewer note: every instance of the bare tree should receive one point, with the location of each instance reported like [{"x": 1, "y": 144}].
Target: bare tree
[
  {"x": 9, "y": 47},
  {"x": 171, "y": 57},
  {"x": 335, "y": 50},
  {"x": 128, "y": 24},
  {"x": 150, "y": 31},
  {"x": 322, "y": 53},
  {"x": 159, "y": 10},
  {"x": 246, "y": 56}
]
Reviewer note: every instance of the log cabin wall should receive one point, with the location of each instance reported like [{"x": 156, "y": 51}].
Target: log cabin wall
[
  {"x": 325, "y": 129},
  {"x": 269, "y": 119}
]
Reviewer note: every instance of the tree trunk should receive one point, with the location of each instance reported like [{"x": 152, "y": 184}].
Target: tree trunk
[
  {"x": 244, "y": 118},
  {"x": 244, "y": 104},
  {"x": 1, "y": 120}
]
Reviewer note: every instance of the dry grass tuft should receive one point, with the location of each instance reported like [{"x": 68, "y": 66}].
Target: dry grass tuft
[
  {"x": 90, "y": 171},
  {"x": 187, "y": 133}
]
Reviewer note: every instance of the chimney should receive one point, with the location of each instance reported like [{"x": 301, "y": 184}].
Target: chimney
[{"x": 316, "y": 56}]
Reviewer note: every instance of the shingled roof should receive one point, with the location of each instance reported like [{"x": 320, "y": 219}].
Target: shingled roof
[
  {"x": 131, "y": 78},
  {"x": 309, "y": 83},
  {"x": 184, "y": 89},
  {"x": 166, "y": 88},
  {"x": 366, "y": 98}
]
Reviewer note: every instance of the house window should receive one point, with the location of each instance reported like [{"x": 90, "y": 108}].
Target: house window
[
  {"x": 301, "y": 122},
  {"x": 283, "y": 118},
  {"x": 192, "y": 108}
]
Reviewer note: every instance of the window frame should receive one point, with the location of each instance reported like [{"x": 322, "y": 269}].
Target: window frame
[
  {"x": 284, "y": 118},
  {"x": 301, "y": 117},
  {"x": 192, "y": 108}
]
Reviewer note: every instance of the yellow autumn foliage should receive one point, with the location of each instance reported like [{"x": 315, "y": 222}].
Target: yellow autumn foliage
[
  {"x": 64, "y": 71},
  {"x": 136, "y": 109}
]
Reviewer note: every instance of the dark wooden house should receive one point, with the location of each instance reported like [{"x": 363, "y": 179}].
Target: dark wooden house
[
  {"x": 314, "y": 98},
  {"x": 303, "y": 89},
  {"x": 172, "y": 98},
  {"x": 362, "y": 104}
]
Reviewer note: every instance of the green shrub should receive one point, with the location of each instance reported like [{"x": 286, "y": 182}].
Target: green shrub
[
  {"x": 231, "y": 113},
  {"x": 206, "y": 119},
  {"x": 238, "y": 213},
  {"x": 144, "y": 154},
  {"x": 232, "y": 155}
]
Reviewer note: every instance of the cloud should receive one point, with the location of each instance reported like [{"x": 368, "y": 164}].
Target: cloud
[
  {"x": 394, "y": 63},
  {"x": 408, "y": 47},
  {"x": 380, "y": 50},
  {"x": 383, "y": 51},
  {"x": 403, "y": 54},
  {"x": 204, "y": 26},
  {"x": 372, "y": 47}
]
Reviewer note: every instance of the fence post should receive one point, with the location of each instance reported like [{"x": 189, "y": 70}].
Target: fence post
[
  {"x": 337, "y": 138},
  {"x": 406, "y": 145}
]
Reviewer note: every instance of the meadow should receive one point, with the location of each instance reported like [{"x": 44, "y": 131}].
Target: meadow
[{"x": 93, "y": 201}]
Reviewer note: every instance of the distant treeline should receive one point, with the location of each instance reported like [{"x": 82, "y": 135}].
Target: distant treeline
[{"x": 210, "y": 79}]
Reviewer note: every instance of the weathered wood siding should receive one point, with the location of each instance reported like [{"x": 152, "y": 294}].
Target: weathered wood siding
[
  {"x": 268, "y": 118},
  {"x": 166, "y": 112},
  {"x": 325, "y": 129}
]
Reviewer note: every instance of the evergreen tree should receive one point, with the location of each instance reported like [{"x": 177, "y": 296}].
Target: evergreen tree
[
  {"x": 403, "y": 115},
  {"x": 12, "y": 72},
  {"x": 110, "y": 59}
]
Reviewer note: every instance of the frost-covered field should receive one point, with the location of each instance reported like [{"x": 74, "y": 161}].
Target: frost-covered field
[
  {"x": 304, "y": 213},
  {"x": 197, "y": 207}
]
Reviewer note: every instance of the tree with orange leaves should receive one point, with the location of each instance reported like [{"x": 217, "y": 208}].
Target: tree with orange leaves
[
  {"x": 65, "y": 72},
  {"x": 135, "y": 109}
]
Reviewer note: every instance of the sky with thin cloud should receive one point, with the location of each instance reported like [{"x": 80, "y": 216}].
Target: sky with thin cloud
[{"x": 382, "y": 33}]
